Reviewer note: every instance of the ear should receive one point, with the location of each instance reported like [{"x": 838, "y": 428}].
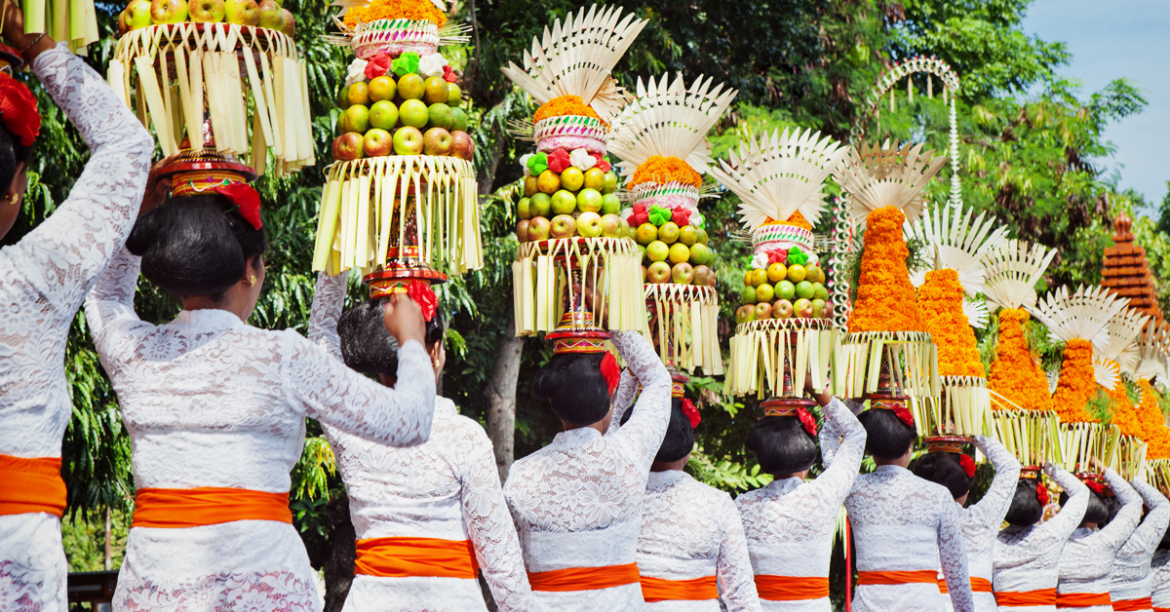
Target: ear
[{"x": 19, "y": 182}]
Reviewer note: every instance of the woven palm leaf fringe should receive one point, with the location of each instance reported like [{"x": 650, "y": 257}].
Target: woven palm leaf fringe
[
  {"x": 200, "y": 73},
  {"x": 612, "y": 265},
  {"x": 363, "y": 198},
  {"x": 1159, "y": 474},
  {"x": 965, "y": 409},
  {"x": 1131, "y": 458},
  {"x": 910, "y": 357},
  {"x": 687, "y": 319},
  {"x": 71, "y": 21},
  {"x": 1082, "y": 441},
  {"x": 1034, "y": 437},
  {"x": 761, "y": 350}
]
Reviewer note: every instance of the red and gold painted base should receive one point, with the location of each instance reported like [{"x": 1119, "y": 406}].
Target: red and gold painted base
[
  {"x": 197, "y": 170},
  {"x": 946, "y": 444}
]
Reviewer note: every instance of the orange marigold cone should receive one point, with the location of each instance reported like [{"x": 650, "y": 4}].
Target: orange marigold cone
[
  {"x": 1015, "y": 374},
  {"x": 885, "y": 296},
  {"x": 940, "y": 302},
  {"x": 1077, "y": 385}
]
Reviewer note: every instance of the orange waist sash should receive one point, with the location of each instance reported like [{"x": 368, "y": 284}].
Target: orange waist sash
[
  {"x": 1133, "y": 605},
  {"x": 405, "y": 557},
  {"x": 584, "y": 578},
  {"x": 184, "y": 508},
  {"x": 978, "y": 585},
  {"x": 1023, "y": 599},
  {"x": 697, "y": 589},
  {"x": 791, "y": 588},
  {"x": 898, "y": 577},
  {"x": 1082, "y": 600},
  {"x": 31, "y": 485},
  {"x": 1156, "y": 609}
]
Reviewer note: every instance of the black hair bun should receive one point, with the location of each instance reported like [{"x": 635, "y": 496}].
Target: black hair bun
[
  {"x": 680, "y": 436},
  {"x": 575, "y": 388},
  {"x": 782, "y": 445},
  {"x": 944, "y": 468},
  {"x": 1025, "y": 509},
  {"x": 1096, "y": 512},
  {"x": 887, "y": 437},
  {"x": 366, "y": 346}
]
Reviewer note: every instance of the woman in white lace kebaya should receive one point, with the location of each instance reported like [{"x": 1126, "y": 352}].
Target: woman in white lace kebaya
[
  {"x": 1130, "y": 589},
  {"x": 577, "y": 503},
  {"x": 216, "y": 411},
  {"x": 428, "y": 516},
  {"x": 980, "y": 522},
  {"x": 790, "y": 522},
  {"x": 903, "y": 526},
  {"x": 692, "y": 555},
  {"x": 43, "y": 279},
  {"x": 1087, "y": 560},
  {"x": 1160, "y": 576},
  {"x": 1027, "y": 552}
]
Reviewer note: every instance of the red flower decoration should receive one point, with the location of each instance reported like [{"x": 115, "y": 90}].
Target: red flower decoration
[
  {"x": 638, "y": 219},
  {"x": 558, "y": 160},
  {"x": 639, "y": 209},
  {"x": 779, "y": 256},
  {"x": 449, "y": 74},
  {"x": 601, "y": 163},
  {"x": 968, "y": 465},
  {"x": 610, "y": 371},
  {"x": 904, "y": 415},
  {"x": 1041, "y": 494},
  {"x": 246, "y": 199},
  {"x": 681, "y": 216},
  {"x": 692, "y": 413},
  {"x": 422, "y": 293},
  {"x": 807, "y": 419},
  {"x": 378, "y": 66},
  {"x": 1095, "y": 487},
  {"x": 18, "y": 109}
]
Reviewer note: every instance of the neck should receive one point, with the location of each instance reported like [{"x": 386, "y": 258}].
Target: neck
[
  {"x": 670, "y": 466},
  {"x": 902, "y": 462},
  {"x": 204, "y": 302},
  {"x": 801, "y": 475}
]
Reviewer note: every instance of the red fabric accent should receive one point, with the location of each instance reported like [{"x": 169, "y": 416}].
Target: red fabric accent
[
  {"x": 610, "y": 371},
  {"x": 246, "y": 199},
  {"x": 791, "y": 588},
  {"x": 1041, "y": 494},
  {"x": 698, "y": 589},
  {"x": 904, "y": 415},
  {"x": 183, "y": 508},
  {"x": 1082, "y": 600},
  {"x": 378, "y": 66},
  {"x": 1025, "y": 599},
  {"x": 680, "y": 216},
  {"x": 422, "y": 293},
  {"x": 1133, "y": 605},
  {"x": 692, "y": 413},
  {"x": 406, "y": 557},
  {"x": 558, "y": 161},
  {"x": 31, "y": 486},
  {"x": 18, "y": 110},
  {"x": 1095, "y": 487},
  {"x": 584, "y": 578},
  {"x": 806, "y": 419},
  {"x": 449, "y": 74},
  {"x": 780, "y": 257},
  {"x": 968, "y": 465}
]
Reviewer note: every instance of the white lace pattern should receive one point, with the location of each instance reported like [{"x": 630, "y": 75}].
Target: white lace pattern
[
  {"x": 1131, "y": 567},
  {"x": 1087, "y": 560},
  {"x": 1160, "y": 578}
]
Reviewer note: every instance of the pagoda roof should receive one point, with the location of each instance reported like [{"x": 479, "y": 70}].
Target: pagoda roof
[{"x": 1126, "y": 271}]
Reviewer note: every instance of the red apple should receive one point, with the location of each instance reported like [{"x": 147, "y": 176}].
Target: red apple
[
  {"x": 782, "y": 309},
  {"x": 522, "y": 230},
  {"x": 763, "y": 311},
  {"x": 348, "y": 146},
  {"x": 589, "y": 224},
  {"x": 538, "y": 229},
  {"x": 437, "y": 141},
  {"x": 168, "y": 11},
  {"x": 563, "y": 226},
  {"x": 407, "y": 141},
  {"x": 377, "y": 143},
  {"x": 138, "y": 14},
  {"x": 611, "y": 226},
  {"x": 271, "y": 16},
  {"x": 207, "y": 11},
  {"x": 463, "y": 148},
  {"x": 682, "y": 274},
  {"x": 745, "y": 314},
  {"x": 290, "y": 23},
  {"x": 658, "y": 272},
  {"x": 704, "y": 276},
  {"x": 243, "y": 12},
  {"x": 803, "y": 308}
]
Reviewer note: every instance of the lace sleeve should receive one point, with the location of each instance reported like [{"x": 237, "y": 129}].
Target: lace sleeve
[
  {"x": 1122, "y": 526},
  {"x": 844, "y": 459},
  {"x": 497, "y": 548},
  {"x": 1153, "y": 527},
  {"x": 953, "y": 555},
  {"x": 990, "y": 510},
  {"x": 627, "y": 389},
  {"x": 644, "y": 431},
  {"x": 336, "y": 395},
  {"x": 737, "y": 581},
  {"x": 112, "y": 299},
  {"x": 63, "y": 257},
  {"x": 328, "y": 300},
  {"x": 1061, "y": 526}
]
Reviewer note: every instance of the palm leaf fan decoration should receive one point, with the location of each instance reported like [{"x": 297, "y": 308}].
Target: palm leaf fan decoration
[
  {"x": 1122, "y": 351},
  {"x": 887, "y": 176},
  {"x": 780, "y": 175},
  {"x": 576, "y": 57},
  {"x": 1081, "y": 315},
  {"x": 1012, "y": 271},
  {"x": 1153, "y": 351},
  {"x": 669, "y": 120}
]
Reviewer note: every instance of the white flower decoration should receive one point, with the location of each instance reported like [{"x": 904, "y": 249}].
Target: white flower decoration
[
  {"x": 356, "y": 73},
  {"x": 696, "y": 219},
  {"x": 582, "y": 160},
  {"x": 813, "y": 258},
  {"x": 760, "y": 261},
  {"x": 431, "y": 65},
  {"x": 524, "y": 163},
  {"x": 626, "y": 214}
]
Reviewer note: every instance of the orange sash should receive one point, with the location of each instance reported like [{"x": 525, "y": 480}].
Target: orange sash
[
  {"x": 1081, "y": 600},
  {"x": 1024, "y": 599},
  {"x": 584, "y": 578},
  {"x": 1156, "y": 609},
  {"x": 791, "y": 588},
  {"x": 978, "y": 585},
  {"x": 405, "y": 557},
  {"x": 31, "y": 485},
  {"x": 183, "y": 508},
  {"x": 698, "y": 589},
  {"x": 1133, "y": 605},
  {"x": 898, "y": 577}
]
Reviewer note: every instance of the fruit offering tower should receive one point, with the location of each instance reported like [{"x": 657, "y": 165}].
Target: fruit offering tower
[
  {"x": 222, "y": 84},
  {"x": 945, "y": 289},
  {"x": 661, "y": 138},
  {"x": 784, "y": 327},
  {"x": 888, "y": 355},
  {"x": 569, "y": 180},
  {"x": 400, "y": 202}
]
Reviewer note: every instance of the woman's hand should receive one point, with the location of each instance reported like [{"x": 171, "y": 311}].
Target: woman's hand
[
  {"x": 403, "y": 319},
  {"x": 819, "y": 395},
  {"x": 157, "y": 187}
]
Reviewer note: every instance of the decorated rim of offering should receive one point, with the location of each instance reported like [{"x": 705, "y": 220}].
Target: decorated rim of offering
[
  {"x": 946, "y": 444},
  {"x": 678, "y": 382},
  {"x": 792, "y": 324},
  {"x": 682, "y": 294},
  {"x": 670, "y": 195},
  {"x": 781, "y": 236},
  {"x": 577, "y": 341},
  {"x": 570, "y": 132},
  {"x": 890, "y": 337},
  {"x": 785, "y": 406},
  {"x": 149, "y": 40},
  {"x": 398, "y": 272},
  {"x": 964, "y": 381},
  {"x": 395, "y": 37}
]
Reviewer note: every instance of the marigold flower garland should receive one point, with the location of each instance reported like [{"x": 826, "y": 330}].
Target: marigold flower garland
[
  {"x": 1153, "y": 423},
  {"x": 417, "y": 10},
  {"x": 940, "y": 300},
  {"x": 565, "y": 106},
  {"x": 662, "y": 170},
  {"x": 1015, "y": 374},
  {"x": 1077, "y": 384},
  {"x": 1125, "y": 415},
  {"x": 885, "y": 296},
  {"x": 796, "y": 220}
]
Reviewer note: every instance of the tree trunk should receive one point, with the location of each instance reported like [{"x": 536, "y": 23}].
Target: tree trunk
[
  {"x": 501, "y": 398},
  {"x": 342, "y": 554}
]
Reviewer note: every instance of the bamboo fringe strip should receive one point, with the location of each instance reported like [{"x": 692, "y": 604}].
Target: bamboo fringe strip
[
  {"x": 761, "y": 350},
  {"x": 1033, "y": 437},
  {"x": 687, "y": 318},
  {"x": 964, "y": 411},
  {"x": 910, "y": 357},
  {"x": 1158, "y": 473},
  {"x": 187, "y": 69},
  {"x": 363, "y": 199},
  {"x": 1082, "y": 441},
  {"x": 1131, "y": 458},
  {"x": 72, "y": 21},
  {"x": 612, "y": 265}
]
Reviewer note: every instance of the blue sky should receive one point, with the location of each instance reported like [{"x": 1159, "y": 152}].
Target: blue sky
[{"x": 1114, "y": 39}]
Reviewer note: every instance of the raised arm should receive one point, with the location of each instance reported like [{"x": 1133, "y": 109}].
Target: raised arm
[
  {"x": 111, "y": 302},
  {"x": 1149, "y": 534},
  {"x": 1114, "y": 535},
  {"x": 64, "y": 256},
  {"x": 1061, "y": 526},
  {"x": 733, "y": 567},
  {"x": 622, "y": 400},
  {"x": 990, "y": 510},
  {"x": 953, "y": 555},
  {"x": 842, "y": 464},
  {"x": 328, "y": 300},
  {"x": 644, "y": 431},
  {"x": 830, "y": 435}
]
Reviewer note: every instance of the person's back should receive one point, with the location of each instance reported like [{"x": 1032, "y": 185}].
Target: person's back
[
  {"x": 1130, "y": 579},
  {"x": 1087, "y": 560}
]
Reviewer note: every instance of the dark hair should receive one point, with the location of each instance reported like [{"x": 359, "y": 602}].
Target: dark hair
[
  {"x": 1025, "y": 509},
  {"x": 367, "y": 347},
  {"x": 944, "y": 468},
  {"x": 574, "y": 386},
  {"x": 887, "y": 437},
  {"x": 680, "y": 436},
  {"x": 1112, "y": 507},
  {"x": 1165, "y": 543},
  {"x": 11, "y": 154},
  {"x": 196, "y": 245},
  {"x": 1096, "y": 512},
  {"x": 782, "y": 445}
]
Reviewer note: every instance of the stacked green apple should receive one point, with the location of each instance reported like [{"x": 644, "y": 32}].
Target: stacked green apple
[
  {"x": 672, "y": 253},
  {"x": 784, "y": 290},
  {"x": 572, "y": 202},
  {"x": 410, "y": 115},
  {"x": 269, "y": 14}
]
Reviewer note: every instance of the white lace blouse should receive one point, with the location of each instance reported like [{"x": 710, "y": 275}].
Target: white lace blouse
[
  {"x": 1131, "y": 567},
  {"x": 578, "y": 501},
  {"x": 790, "y": 523},
  {"x": 43, "y": 280},
  {"x": 447, "y": 488},
  {"x": 1087, "y": 560},
  {"x": 212, "y": 402},
  {"x": 1028, "y": 558},
  {"x": 1160, "y": 579}
]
